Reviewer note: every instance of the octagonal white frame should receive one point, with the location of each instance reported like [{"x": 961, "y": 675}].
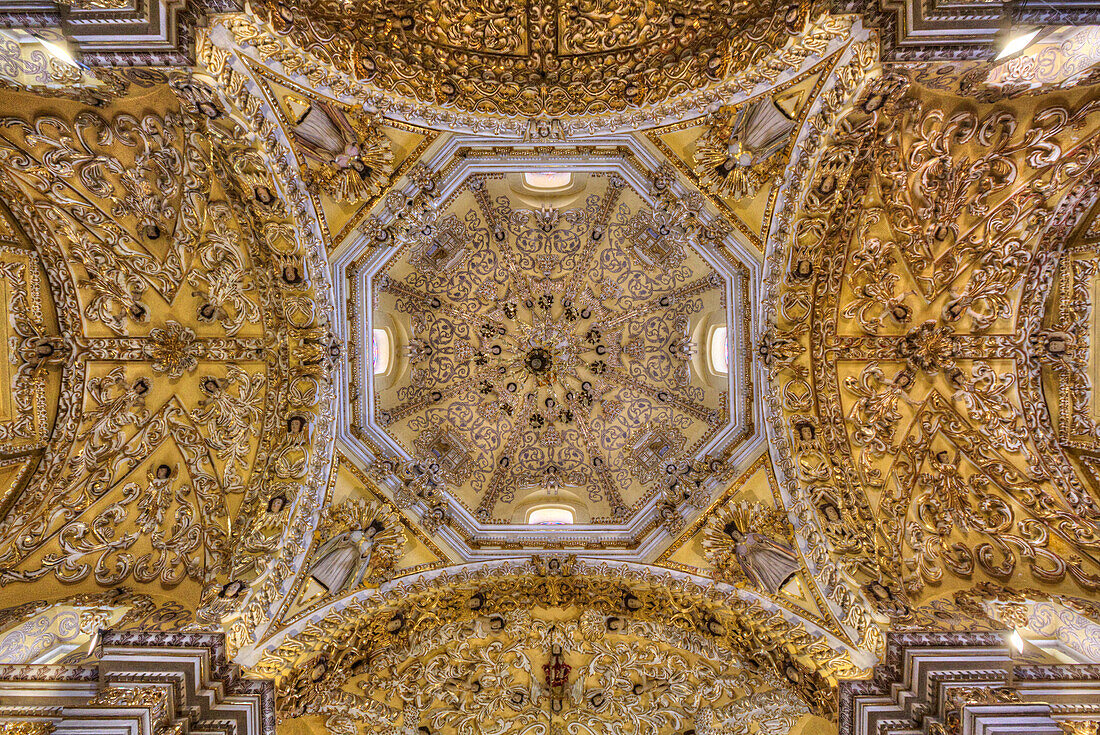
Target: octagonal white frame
[{"x": 494, "y": 539}]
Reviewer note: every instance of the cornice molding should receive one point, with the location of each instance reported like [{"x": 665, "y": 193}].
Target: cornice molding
[
  {"x": 141, "y": 683},
  {"x": 128, "y": 33}
]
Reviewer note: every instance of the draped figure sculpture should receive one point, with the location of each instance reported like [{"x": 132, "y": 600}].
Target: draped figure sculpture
[
  {"x": 769, "y": 564},
  {"x": 761, "y": 556},
  {"x": 358, "y": 543},
  {"x": 343, "y": 560}
]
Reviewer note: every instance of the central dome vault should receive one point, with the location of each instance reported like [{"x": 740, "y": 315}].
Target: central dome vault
[{"x": 548, "y": 346}]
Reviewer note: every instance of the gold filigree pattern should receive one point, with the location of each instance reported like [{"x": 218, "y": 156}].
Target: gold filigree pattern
[
  {"x": 550, "y": 351},
  {"x": 515, "y": 645},
  {"x": 545, "y": 58},
  {"x": 568, "y": 229},
  {"x": 923, "y": 260}
]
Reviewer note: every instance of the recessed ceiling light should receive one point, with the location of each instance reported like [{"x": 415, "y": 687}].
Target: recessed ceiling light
[{"x": 548, "y": 180}]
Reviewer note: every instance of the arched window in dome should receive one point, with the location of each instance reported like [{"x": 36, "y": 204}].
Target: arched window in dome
[
  {"x": 550, "y": 515},
  {"x": 381, "y": 351},
  {"x": 548, "y": 180},
  {"x": 720, "y": 350}
]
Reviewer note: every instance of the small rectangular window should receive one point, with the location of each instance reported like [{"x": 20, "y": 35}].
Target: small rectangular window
[
  {"x": 550, "y": 516},
  {"x": 548, "y": 180}
]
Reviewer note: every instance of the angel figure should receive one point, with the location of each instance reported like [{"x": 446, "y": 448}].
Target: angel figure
[
  {"x": 220, "y": 600},
  {"x": 736, "y": 156},
  {"x": 360, "y": 541},
  {"x": 768, "y": 563},
  {"x": 355, "y": 158}
]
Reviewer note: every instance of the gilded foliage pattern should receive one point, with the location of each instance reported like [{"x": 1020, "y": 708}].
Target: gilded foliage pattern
[
  {"x": 927, "y": 353},
  {"x": 595, "y": 56},
  {"x": 915, "y": 292},
  {"x": 594, "y": 645},
  {"x": 182, "y": 344}
]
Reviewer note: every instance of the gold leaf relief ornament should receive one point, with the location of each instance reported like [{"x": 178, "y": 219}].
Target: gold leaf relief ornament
[
  {"x": 360, "y": 541},
  {"x": 593, "y": 57},
  {"x": 762, "y": 556},
  {"x": 738, "y": 153},
  {"x": 173, "y": 350},
  {"x": 232, "y": 418},
  {"x": 352, "y": 158}
]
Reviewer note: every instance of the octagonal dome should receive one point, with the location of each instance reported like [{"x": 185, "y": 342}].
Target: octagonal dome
[{"x": 552, "y": 342}]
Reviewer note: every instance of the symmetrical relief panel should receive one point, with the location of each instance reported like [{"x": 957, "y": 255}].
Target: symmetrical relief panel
[
  {"x": 547, "y": 346},
  {"x": 187, "y": 356},
  {"x": 542, "y": 58},
  {"x": 36, "y": 351},
  {"x": 1069, "y": 341},
  {"x": 928, "y": 307},
  {"x": 556, "y": 348},
  {"x": 588, "y": 648}
]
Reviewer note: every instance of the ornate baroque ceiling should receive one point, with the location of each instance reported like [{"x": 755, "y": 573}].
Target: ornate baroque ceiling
[
  {"x": 549, "y": 367},
  {"x": 538, "y": 58}
]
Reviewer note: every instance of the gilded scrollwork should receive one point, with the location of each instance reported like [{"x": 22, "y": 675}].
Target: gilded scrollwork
[
  {"x": 549, "y": 350},
  {"x": 399, "y": 48},
  {"x": 138, "y": 482},
  {"x": 457, "y": 656},
  {"x": 921, "y": 259},
  {"x": 447, "y": 104},
  {"x": 576, "y": 348}
]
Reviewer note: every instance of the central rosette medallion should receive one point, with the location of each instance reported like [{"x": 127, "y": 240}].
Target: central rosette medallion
[{"x": 539, "y": 362}]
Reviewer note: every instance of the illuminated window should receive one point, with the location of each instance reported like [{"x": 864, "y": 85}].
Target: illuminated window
[
  {"x": 550, "y": 516},
  {"x": 548, "y": 180},
  {"x": 720, "y": 350},
  {"x": 380, "y": 351}
]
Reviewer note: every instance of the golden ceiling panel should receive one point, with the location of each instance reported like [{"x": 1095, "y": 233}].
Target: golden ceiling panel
[
  {"x": 924, "y": 270},
  {"x": 738, "y": 153},
  {"x": 544, "y": 58},
  {"x": 765, "y": 349},
  {"x": 348, "y": 159},
  {"x": 363, "y": 542},
  {"x": 37, "y": 349},
  {"x": 584, "y": 645},
  {"x": 169, "y": 273},
  {"x": 548, "y": 345}
]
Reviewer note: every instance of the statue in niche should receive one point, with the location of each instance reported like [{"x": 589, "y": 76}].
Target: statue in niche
[
  {"x": 360, "y": 542},
  {"x": 344, "y": 559},
  {"x": 737, "y": 155},
  {"x": 763, "y": 557},
  {"x": 354, "y": 158}
]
